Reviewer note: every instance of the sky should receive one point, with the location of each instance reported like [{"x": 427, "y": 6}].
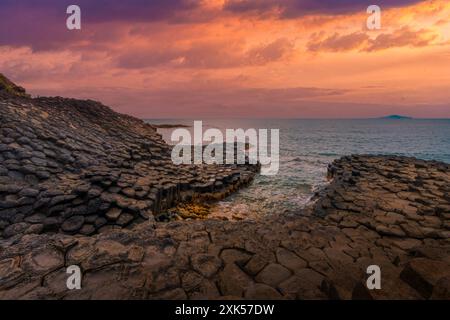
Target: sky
[{"x": 234, "y": 58}]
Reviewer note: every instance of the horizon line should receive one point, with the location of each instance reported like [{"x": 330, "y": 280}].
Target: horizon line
[{"x": 286, "y": 118}]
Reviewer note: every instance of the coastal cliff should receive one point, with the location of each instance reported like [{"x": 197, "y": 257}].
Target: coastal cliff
[
  {"x": 82, "y": 185},
  {"x": 76, "y": 166}
]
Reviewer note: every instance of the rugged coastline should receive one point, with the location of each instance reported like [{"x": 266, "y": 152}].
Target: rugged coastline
[
  {"x": 82, "y": 185},
  {"x": 78, "y": 167}
]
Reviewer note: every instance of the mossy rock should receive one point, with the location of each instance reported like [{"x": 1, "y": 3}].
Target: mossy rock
[{"x": 11, "y": 88}]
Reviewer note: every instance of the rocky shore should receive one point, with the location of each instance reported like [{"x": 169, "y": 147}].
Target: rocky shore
[
  {"x": 77, "y": 167},
  {"x": 82, "y": 185}
]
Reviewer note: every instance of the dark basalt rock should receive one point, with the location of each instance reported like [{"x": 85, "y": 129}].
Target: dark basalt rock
[
  {"x": 406, "y": 197},
  {"x": 389, "y": 211},
  {"x": 321, "y": 252},
  {"x": 64, "y": 157},
  {"x": 73, "y": 224}
]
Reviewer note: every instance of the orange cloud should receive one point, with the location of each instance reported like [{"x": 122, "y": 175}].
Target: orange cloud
[
  {"x": 338, "y": 42},
  {"x": 214, "y": 58},
  {"x": 403, "y": 37}
]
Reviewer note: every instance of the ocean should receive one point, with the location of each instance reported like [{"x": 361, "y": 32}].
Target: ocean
[{"x": 308, "y": 146}]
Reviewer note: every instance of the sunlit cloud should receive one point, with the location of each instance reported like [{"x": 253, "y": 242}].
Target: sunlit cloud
[{"x": 281, "y": 58}]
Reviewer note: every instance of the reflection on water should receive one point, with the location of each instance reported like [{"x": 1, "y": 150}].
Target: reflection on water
[{"x": 308, "y": 146}]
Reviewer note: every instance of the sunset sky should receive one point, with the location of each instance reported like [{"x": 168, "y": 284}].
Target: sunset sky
[{"x": 234, "y": 58}]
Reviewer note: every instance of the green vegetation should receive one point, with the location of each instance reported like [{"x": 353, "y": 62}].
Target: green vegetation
[{"x": 9, "y": 87}]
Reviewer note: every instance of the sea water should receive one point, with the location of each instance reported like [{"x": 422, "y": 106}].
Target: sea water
[{"x": 308, "y": 146}]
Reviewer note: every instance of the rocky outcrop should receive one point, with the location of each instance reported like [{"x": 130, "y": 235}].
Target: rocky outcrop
[
  {"x": 394, "y": 196},
  {"x": 8, "y": 88},
  {"x": 320, "y": 253},
  {"x": 80, "y": 185},
  {"x": 77, "y": 167}
]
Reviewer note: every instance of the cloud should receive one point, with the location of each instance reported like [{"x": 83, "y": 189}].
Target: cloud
[
  {"x": 105, "y": 10},
  {"x": 300, "y": 8},
  {"x": 206, "y": 55},
  {"x": 42, "y": 24},
  {"x": 273, "y": 51},
  {"x": 337, "y": 42},
  {"x": 403, "y": 37},
  {"x": 196, "y": 55},
  {"x": 192, "y": 58},
  {"x": 221, "y": 98}
]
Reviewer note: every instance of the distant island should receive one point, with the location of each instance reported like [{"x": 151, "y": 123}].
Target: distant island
[{"x": 396, "y": 117}]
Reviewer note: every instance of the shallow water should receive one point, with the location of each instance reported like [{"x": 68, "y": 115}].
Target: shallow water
[{"x": 308, "y": 146}]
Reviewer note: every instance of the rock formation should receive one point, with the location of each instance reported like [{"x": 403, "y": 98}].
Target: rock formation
[
  {"x": 8, "y": 88},
  {"x": 78, "y": 167},
  {"x": 74, "y": 173}
]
